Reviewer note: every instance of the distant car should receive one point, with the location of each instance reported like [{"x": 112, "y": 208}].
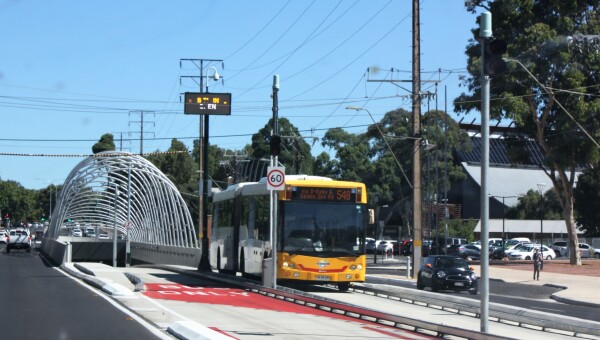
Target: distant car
[
  {"x": 76, "y": 233},
  {"x": 445, "y": 272},
  {"x": 464, "y": 250},
  {"x": 90, "y": 232},
  {"x": 3, "y": 236},
  {"x": 406, "y": 247},
  {"x": 560, "y": 248},
  {"x": 385, "y": 247},
  {"x": 491, "y": 242},
  {"x": 371, "y": 245},
  {"x": 103, "y": 236},
  {"x": 526, "y": 252},
  {"x": 18, "y": 239},
  {"x": 587, "y": 251}
]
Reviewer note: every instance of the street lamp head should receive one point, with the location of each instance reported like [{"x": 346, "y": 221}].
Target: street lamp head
[
  {"x": 357, "y": 108},
  {"x": 541, "y": 186}
]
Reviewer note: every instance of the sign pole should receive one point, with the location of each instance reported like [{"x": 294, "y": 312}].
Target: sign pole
[{"x": 274, "y": 164}]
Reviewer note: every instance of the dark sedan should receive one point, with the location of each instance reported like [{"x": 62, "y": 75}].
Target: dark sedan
[
  {"x": 444, "y": 272},
  {"x": 465, "y": 251}
]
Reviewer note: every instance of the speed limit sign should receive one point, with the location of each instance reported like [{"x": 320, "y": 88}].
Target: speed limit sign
[{"x": 275, "y": 177}]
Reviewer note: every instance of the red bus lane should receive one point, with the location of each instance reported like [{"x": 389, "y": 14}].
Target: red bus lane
[
  {"x": 230, "y": 297},
  {"x": 241, "y": 298}
]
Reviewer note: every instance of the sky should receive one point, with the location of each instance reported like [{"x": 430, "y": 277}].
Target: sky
[{"x": 71, "y": 71}]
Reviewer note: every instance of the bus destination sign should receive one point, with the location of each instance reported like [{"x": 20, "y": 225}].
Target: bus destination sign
[
  {"x": 324, "y": 194},
  {"x": 207, "y": 103}
]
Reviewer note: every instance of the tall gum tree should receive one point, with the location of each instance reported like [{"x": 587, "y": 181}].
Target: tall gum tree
[{"x": 550, "y": 89}]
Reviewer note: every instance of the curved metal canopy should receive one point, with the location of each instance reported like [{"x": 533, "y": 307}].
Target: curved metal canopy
[{"x": 127, "y": 190}]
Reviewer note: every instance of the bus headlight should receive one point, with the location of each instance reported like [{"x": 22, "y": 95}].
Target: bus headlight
[
  {"x": 352, "y": 267},
  {"x": 285, "y": 265},
  {"x": 359, "y": 267}
]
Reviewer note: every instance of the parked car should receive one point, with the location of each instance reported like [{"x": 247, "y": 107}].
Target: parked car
[
  {"x": 385, "y": 247},
  {"x": 3, "y": 236},
  {"x": 371, "y": 245},
  {"x": 526, "y": 252},
  {"x": 445, "y": 272},
  {"x": 464, "y": 250},
  {"x": 499, "y": 253},
  {"x": 103, "y": 236},
  {"x": 491, "y": 242},
  {"x": 587, "y": 251},
  {"x": 76, "y": 233},
  {"x": 560, "y": 248},
  {"x": 406, "y": 247}
]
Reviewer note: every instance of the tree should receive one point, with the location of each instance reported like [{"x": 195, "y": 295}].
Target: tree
[
  {"x": 529, "y": 207},
  {"x": 18, "y": 202},
  {"x": 382, "y": 158},
  {"x": 587, "y": 196},
  {"x": 106, "y": 143},
  {"x": 295, "y": 151},
  {"x": 550, "y": 91}
]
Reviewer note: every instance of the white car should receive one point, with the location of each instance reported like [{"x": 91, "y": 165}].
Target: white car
[
  {"x": 3, "y": 235},
  {"x": 526, "y": 252},
  {"x": 560, "y": 248},
  {"x": 104, "y": 236},
  {"x": 386, "y": 247},
  {"x": 77, "y": 233},
  {"x": 586, "y": 251}
]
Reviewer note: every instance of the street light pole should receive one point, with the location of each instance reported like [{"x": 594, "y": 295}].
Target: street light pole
[
  {"x": 503, "y": 214},
  {"x": 541, "y": 186}
]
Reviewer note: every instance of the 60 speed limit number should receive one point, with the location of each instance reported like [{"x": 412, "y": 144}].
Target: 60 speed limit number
[{"x": 275, "y": 177}]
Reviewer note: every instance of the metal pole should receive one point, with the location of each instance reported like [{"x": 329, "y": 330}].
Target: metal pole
[
  {"x": 274, "y": 163},
  {"x": 128, "y": 224},
  {"x": 485, "y": 31},
  {"x": 541, "y": 186},
  {"x": 503, "y": 218},
  {"x": 115, "y": 232},
  {"x": 204, "y": 263}
]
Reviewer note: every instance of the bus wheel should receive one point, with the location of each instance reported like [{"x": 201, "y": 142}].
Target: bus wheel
[{"x": 343, "y": 286}]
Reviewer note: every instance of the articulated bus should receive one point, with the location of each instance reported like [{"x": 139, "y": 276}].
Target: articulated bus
[{"x": 321, "y": 230}]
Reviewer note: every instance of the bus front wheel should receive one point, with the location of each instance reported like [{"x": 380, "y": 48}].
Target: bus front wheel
[{"x": 343, "y": 286}]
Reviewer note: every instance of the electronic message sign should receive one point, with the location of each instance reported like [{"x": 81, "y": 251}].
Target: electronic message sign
[{"x": 207, "y": 103}]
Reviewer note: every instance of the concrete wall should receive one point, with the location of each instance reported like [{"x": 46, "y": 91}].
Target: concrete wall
[
  {"x": 159, "y": 254},
  {"x": 92, "y": 250},
  {"x": 54, "y": 249}
]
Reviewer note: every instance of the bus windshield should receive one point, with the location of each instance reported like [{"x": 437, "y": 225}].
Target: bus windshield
[{"x": 323, "y": 229}]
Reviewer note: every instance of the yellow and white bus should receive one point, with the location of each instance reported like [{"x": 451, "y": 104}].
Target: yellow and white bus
[{"x": 321, "y": 230}]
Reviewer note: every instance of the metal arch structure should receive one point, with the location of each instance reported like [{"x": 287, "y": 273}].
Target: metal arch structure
[{"x": 123, "y": 189}]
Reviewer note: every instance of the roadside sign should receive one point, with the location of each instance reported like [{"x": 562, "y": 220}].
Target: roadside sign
[
  {"x": 207, "y": 103},
  {"x": 275, "y": 178}
]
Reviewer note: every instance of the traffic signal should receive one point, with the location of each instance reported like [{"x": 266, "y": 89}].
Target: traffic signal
[
  {"x": 493, "y": 49},
  {"x": 275, "y": 145},
  {"x": 43, "y": 218}
]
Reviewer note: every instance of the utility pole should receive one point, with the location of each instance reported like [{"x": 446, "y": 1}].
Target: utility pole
[
  {"x": 141, "y": 123},
  {"x": 416, "y": 133}
]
